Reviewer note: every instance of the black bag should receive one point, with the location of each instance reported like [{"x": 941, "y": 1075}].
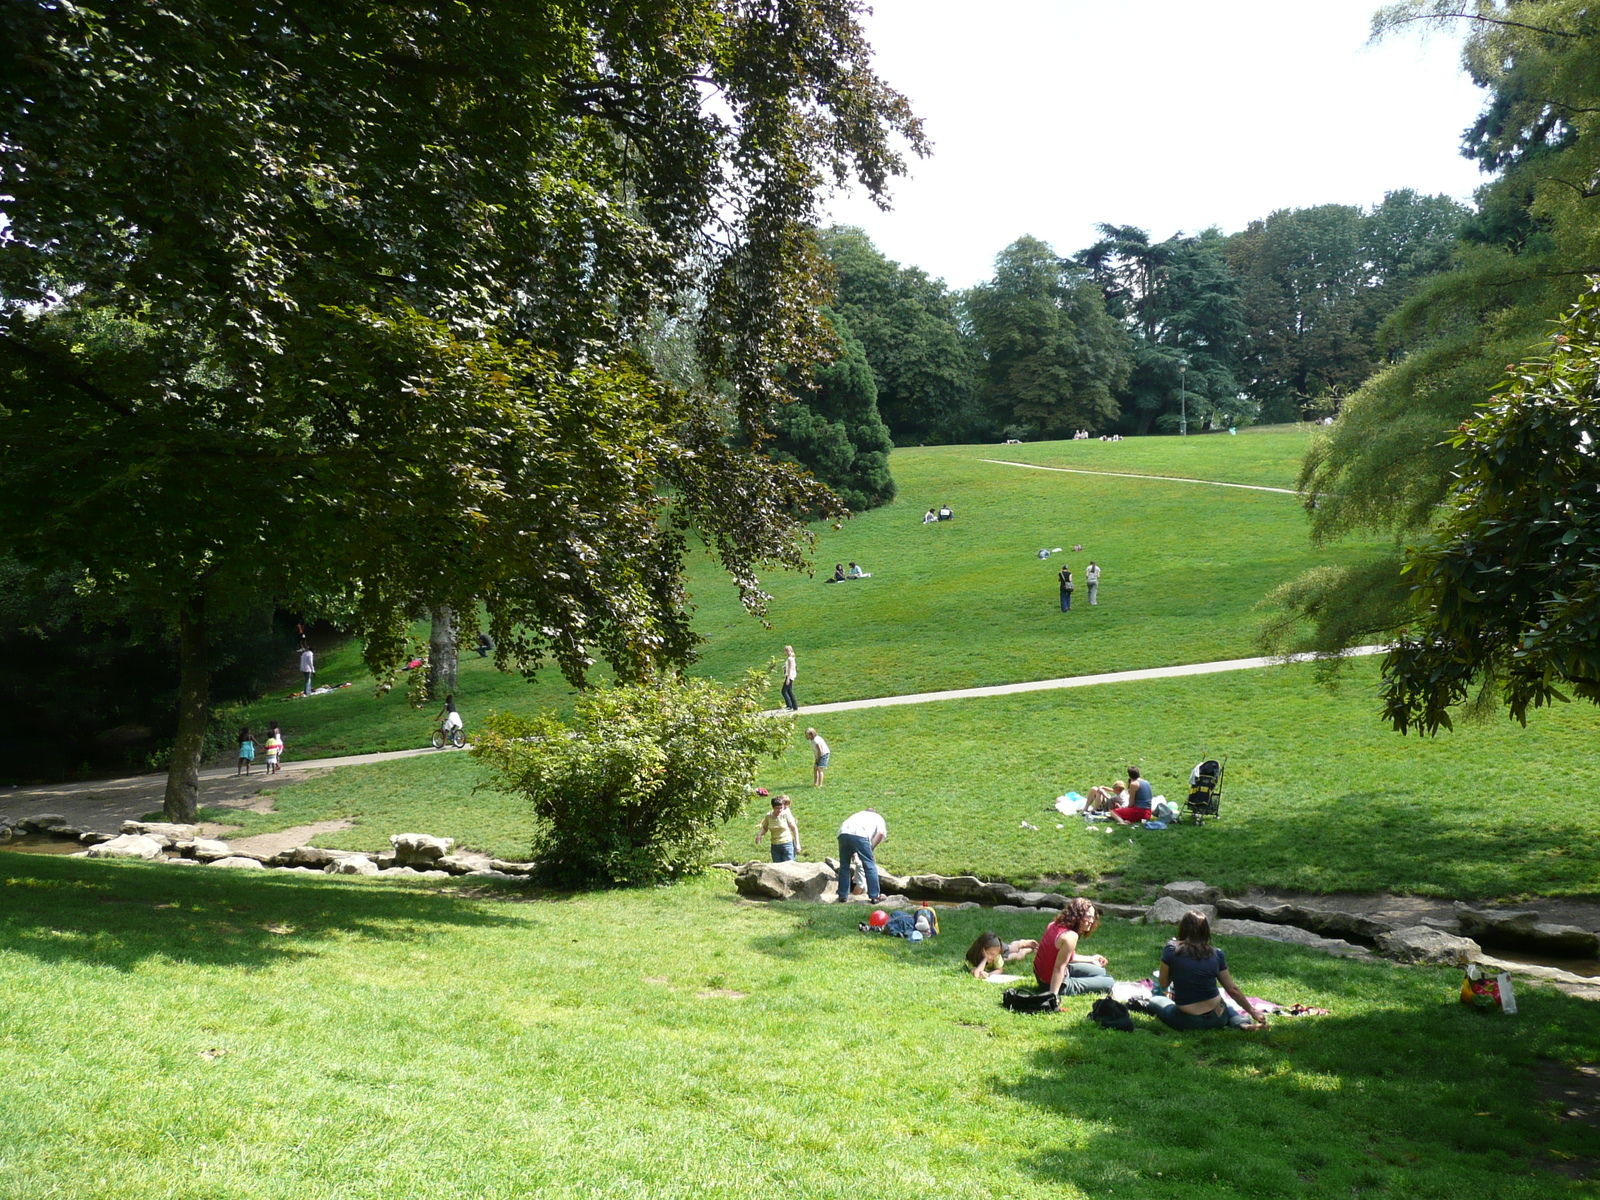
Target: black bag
[
  {"x": 1110, "y": 1014},
  {"x": 1019, "y": 1000}
]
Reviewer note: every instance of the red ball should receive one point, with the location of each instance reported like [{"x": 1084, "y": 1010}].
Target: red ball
[{"x": 878, "y": 919}]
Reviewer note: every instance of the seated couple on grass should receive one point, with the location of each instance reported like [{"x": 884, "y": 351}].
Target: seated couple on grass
[
  {"x": 1188, "y": 991},
  {"x": 840, "y": 574},
  {"x": 1128, "y": 803}
]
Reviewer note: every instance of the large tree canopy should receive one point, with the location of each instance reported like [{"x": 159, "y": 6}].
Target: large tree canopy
[{"x": 337, "y": 301}]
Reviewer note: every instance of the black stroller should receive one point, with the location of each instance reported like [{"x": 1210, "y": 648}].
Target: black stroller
[{"x": 1205, "y": 790}]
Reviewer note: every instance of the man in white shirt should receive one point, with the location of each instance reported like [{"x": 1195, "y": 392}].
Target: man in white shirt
[
  {"x": 859, "y": 836},
  {"x": 308, "y": 666},
  {"x": 1092, "y": 576},
  {"x": 819, "y": 767}
]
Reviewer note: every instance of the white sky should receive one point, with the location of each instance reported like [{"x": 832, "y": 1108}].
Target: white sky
[{"x": 1048, "y": 116}]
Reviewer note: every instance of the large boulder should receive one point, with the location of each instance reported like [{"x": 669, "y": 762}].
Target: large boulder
[
  {"x": 88, "y": 837},
  {"x": 355, "y": 864},
  {"x": 1132, "y": 912},
  {"x": 945, "y": 887},
  {"x": 165, "y": 829},
  {"x": 1326, "y": 921},
  {"x": 419, "y": 849},
  {"x": 203, "y": 849},
  {"x": 1565, "y": 941},
  {"x": 307, "y": 856},
  {"x": 465, "y": 864},
  {"x": 891, "y": 883},
  {"x": 129, "y": 845},
  {"x": 1422, "y": 944},
  {"x": 514, "y": 868},
  {"x": 39, "y": 822},
  {"x": 1169, "y": 910},
  {"x": 1192, "y": 891},
  {"x": 238, "y": 860},
  {"x": 67, "y": 833},
  {"x": 787, "y": 881},
  {"x": 1292, "y": 934},
  {"x": 1524, "y": 930}
]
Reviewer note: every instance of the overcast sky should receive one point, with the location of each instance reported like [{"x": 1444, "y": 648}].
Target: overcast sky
[{"x": 1048, "y": 116}]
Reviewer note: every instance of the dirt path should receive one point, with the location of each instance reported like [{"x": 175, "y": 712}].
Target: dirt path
[{"x": 286, "y": 839}]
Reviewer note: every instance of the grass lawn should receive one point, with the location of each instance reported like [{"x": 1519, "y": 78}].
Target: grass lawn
[
  {"x": 1266, "y": 455},
  {"x": 1318, "y": 796},
  {"x": 960, "y": 604},
  {"x": 198, "y": 1034}
]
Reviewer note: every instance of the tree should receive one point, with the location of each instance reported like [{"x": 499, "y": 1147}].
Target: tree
[
  {"x": 1506, "y": 590},
  {"x": 1180, "y": 304},
  {"x": 1053, "y": 356},
  {"x": 339, "y": 302},
  {"x": 833, "y": 428},
  {"x": 910, "y": 330}
]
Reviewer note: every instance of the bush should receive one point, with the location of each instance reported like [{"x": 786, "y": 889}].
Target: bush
[{"x": 636, "y": 789}]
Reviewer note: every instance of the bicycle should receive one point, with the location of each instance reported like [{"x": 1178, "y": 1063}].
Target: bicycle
[{"x": 455, "y": 735}]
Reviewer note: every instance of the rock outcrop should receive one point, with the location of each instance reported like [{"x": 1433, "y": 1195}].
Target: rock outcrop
[
  {"x": 787, "y": 881},
  {"x": 129, "y": 845},
  {"x": 1424, "y": 944}
]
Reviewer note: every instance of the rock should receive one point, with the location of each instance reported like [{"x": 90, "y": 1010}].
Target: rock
[
  {"x": 6, "y": 834},
  {"x": 129, "y": 845},
  {"x": 945, "y": 887},
  {"x": 1133, "y": 912},
  {"x": 415, "y": 849},
  {"x": 1053, "y": 900},
  {"x": 887, "y": 882},
  {"x": 965, "y": 905},
  {"x": 399, "y": 873},
  {"x": 1168, "y": 910},
  {"x": 1000, "y": 893},
  {"x": 1447, "y": 924},
  {"x": 1421, "y": 944},
  {"x": 204, "y": 849},
  {"x": 1295, "y": 936},
  {"x": 237, "y": 860},
  {"x": 1524, "y": 930},
  {"x": 307, "y": 856},
  {"x": 1565, "y": 941},
  {"x": 42, "y": 821},
  {"x": 1192, "y": 891},
  {"x": 1022, "y": 908},
  {"x": 526, "y": 868},
  {"x": 92, "y": 838},
  {"x": 69, "y": 833},
  {"x": 181, "y": 862},
  {"x": 173, "y": 833},
  {"x": 1328, "y": 922},
  {"x": 498, "y": 876},
  {"x": 1532, "y": 971},
  {"x": 464, "y": 864},
  {"x": 787, "y": 881},
  {"x": 384, "y": 860},
  {"x": 356, "y": 864},
  {"x": 888, "y": 902}
]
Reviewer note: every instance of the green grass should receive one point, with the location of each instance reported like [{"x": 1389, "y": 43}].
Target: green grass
[
  {"x": 1318, "y": 795},
  {"x": 961, "y": 604},
  {"x": 204, "y": 1034},
  {"x": 1268, "y": 456}
]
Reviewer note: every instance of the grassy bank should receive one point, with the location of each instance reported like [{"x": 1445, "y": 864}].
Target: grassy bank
[{"x": 206, "y": 1034}]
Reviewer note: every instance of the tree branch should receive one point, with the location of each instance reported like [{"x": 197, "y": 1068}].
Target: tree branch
[{"x": 93, "y": 391}]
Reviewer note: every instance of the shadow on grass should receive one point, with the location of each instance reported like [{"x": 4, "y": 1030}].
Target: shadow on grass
[
  {"x": 1361, "y": 841},
  {"x": 119, "y": 914}
]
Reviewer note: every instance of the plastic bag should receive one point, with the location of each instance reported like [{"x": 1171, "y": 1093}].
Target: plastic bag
[
  {"x": 1071, "y": 803},
  {"x": 1488, "y": 993}
]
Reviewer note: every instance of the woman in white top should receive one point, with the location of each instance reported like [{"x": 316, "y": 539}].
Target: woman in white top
[{"x": 791, "y": 672}]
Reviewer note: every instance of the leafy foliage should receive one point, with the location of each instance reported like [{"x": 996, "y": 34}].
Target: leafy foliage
[
  {"x": 1508, "y": 586},
  {"x": 637, "y": 789},
  {"x": 1054, "y": 357},
  {"x": 834, "y": 429}
]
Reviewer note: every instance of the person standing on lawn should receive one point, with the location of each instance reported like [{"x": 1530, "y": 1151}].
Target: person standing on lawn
[
  {"x": 308, "y": 665},
  {"x": 780, "y": 826},
  {"x": 1065, "y": 579},
  {"x": 860, "y": 835},
  {"x": 791, "y": 672},
  {"x": 1091, "y": 576},
  {"x": 819, "y": 767}
]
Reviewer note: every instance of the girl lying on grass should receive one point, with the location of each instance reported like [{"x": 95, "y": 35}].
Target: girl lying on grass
[
  {"x": 988, "y": 955},
  {"x": 1058, "y": 967},
  {"x": 1192, "y": 968}
]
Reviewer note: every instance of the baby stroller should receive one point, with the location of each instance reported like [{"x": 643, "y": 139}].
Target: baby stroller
[{"x": 1205, "y": 790}]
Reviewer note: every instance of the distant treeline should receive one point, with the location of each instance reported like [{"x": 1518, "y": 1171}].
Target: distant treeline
[{"x": 1275, "y": 323}]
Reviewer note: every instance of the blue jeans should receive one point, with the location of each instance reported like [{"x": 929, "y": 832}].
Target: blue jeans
[
  {"x": 310, "y": 675},
  {"x": 1175, "y": 1018},
  {"x": 782, "y": 851},
  {"x": 1085, "y": 978},
  {"x": 854, "y": 846},
  {"x": 1066, "y": 600},
  {"x": 788, "y": 693}
]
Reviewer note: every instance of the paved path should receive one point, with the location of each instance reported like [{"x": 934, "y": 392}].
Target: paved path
[
  {"x": 1249, "y": 487},
  {"x": 1074, "y": 681}
]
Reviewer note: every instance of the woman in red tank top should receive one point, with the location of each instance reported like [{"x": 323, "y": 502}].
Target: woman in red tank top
[{"x": 1058, "y": 966}]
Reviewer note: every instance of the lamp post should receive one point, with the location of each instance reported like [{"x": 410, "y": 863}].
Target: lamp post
[{"x": 1183, "y": 397}]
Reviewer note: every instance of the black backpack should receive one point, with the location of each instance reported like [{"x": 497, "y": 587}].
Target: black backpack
[
  {"x": 1019, "y": 1000},
  {"x": 1110, "y": 1014}
]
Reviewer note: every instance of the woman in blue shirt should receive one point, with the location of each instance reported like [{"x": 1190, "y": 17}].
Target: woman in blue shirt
[{"x": 1192, "y": 968}]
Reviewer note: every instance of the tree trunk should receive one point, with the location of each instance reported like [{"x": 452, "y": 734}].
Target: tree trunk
[
  {"x": 443, "y": 656},
  {"x": 194, "y": 702}
]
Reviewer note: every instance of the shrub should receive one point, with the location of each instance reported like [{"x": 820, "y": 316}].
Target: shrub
[{"x": 635, "y": 790}]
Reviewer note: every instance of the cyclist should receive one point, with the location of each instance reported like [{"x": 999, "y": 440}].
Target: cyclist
[{"x": 449, "y": 716}]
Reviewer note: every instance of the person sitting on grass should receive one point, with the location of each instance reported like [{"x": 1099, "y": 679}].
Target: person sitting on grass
[
  {"x": 1057, "y": 966},
  {"x": 988, "y": 955},
  {"x": 1105, "y": 799},
  {"x": 945, "y": 514},
  {"x": 838, "y": 574},
  {"x": 930, "y": 518},
  {"x": 1192, "y": 968},
  {"x": 1139, "y": 800},
  {"x": 780, "y": 826},
  {"x": 855, "y": 572}
]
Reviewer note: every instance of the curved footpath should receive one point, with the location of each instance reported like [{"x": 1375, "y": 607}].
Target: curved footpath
[{"x": 1249, "y": 487}]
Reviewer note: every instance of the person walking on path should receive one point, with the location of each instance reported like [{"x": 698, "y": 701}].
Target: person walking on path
[
  {"x": 819, "y": 767},
  {"x": 308, "y": 665},
  {"x": 781, "y": 827},
  {"x": 247, "y": 751},
  {"x": 1065, "y": 579},
  {"x": 1092, "y": 578},
  {"x": 860, "y": 835},
  {"x": 791, "y": 672}
]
